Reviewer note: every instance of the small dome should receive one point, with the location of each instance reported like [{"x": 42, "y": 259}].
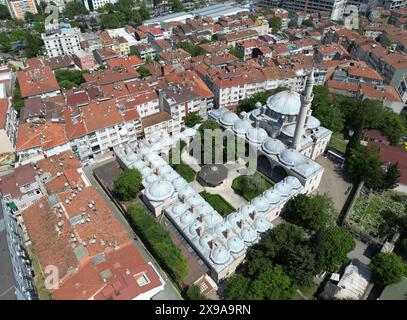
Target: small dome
[
  {"x": 193, "y": 229},
  {"x": 234, "y": 219},
  {"x": 164, "y": 169},
  {"x": 187, "y": 191},
  {"x": 261, "y": 224},
  {"x": 170, "y": 176},
  {"x": 258, "y": 104},
  {"x": 235, "y": 244},
  {"x": 273, "y": 146},
  {"x": 145, "y": 171},
  {"x": 212, "y": 218},
  {"x": 220, "y": 255},
  {"x": 285, "y": 102},
  {"x": 257, "y": 135},
  {"x": 190, "y": 132},
  {"x": 178, "y": 209},
  {"x": 229, "y": 118},
  {"x": 283, "y": 188},
  {"x": 261, "y": 204},
  {"x": 242, "y": 126},
  {"x": 293, "y": 182},
  {"x": 157, "y": 146},
  {"x": 312, "y": 122},
  {"x": 204, "y": 208},
  {"x": 166, "y": 141},
  {"x": 179, "y": 183},
  {"x": 139, "y": 164},
  {"x": 248, "y": 234},
  {"x": 159, "y": 190},
  {"x": 289, "y": 130},
  {"x": 195, "y": 200},
  {"x": 187, "y": 217},
  {"x": 151, "y": 178},
  {"x": 131, "y": 157},
  {"x": 205, "y": 240},
  {"x": 247, "y": 209},
  {"x": 272, "y": 196},
  {"x": 144, "y": 152},
  {"x": 290, "y": 157},
  {"x": 308, "y": 168},
  {"x": 221, "y": 227}
]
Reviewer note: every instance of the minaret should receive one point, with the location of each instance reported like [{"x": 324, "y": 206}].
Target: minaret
[{"x": 305, "y": 111}]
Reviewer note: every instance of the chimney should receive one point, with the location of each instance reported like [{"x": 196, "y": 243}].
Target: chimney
[
  {"x": 162, "y": 68},
  {"x": 200, "y": 231},
  {"x": 226, "y": 233},
  {"x": 253, "y": 215}
]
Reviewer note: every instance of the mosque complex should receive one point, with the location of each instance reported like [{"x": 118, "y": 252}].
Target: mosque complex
[{"x": 287, "y": 140}]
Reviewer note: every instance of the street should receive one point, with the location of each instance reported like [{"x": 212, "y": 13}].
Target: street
[
  {"x": 6, "y": 269},
  {"x": 170, "y": 292}
]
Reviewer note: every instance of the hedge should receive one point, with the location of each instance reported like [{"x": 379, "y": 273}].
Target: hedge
[{"x": 160, "y": 242}]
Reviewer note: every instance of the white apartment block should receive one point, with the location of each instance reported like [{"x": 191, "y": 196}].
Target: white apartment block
[
  {"x": 62, "y": 41},
  {"x": 93, "y": 5}
]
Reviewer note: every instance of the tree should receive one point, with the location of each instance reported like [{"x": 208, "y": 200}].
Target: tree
[
  {"x": 363, "y": 164},
  {"x": 275, "y": 24},
  {"x": 271, "y": 284},
  {"x": 215, "y": 37},
  {"x": 331, "y": 246},
  {"x": 312, "y": 212},
  {"x": 401, "y": 248},
  {"x": 387, "y": 268},
  {"x": 391, "y": 177},
  {"x": 143, "y": 71},
  {"x": 177, "y": 6},
  {"x": 249, "y": 104},
  {"x": 74, "y": 77},
  {"x": 190, "y": 48},
  {"x": 127, "y": 184},
  {"x": 144, "y": 12},
  {"x": 194, "y": 293},
  {"x": 299, "y": 264},
  {"x": 233, "y": 51},
  {"x": 237, "y": 287},
  {"x": 330, "y": 115},
  {"x": 33, "y": 45},
  {"x": 66, "y": 84},
  {"x": 73, "y": 9},
  {"x": 4, "y": 14},
  {"x": 307, "y": 23},
  {"x": 192, "y": 119},
  {"x": 113, "y": 20}
]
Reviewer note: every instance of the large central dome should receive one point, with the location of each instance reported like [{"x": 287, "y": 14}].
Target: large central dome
[{"x": 285, "y": 102}]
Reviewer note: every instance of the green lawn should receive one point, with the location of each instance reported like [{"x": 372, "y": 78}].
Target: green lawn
[
  {"x": 218, "y": 203},
  {"x": 250, "y": 187},
  {"x": 43, "y": 293},
  {"x": 185, "y": 171},
  {"x": 338, "y": 142}
]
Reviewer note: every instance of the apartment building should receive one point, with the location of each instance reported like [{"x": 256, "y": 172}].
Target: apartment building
[
  {"x": 8, "y": 126},
  {"x": 18, "y": 8},
  {"x": 98, "y": 127},
  {"x": 62, "y": 41},
  {"x": 394, "y": 4},
  {"x": 36, "y": 140},
  {"x": 93, "y": 5}
]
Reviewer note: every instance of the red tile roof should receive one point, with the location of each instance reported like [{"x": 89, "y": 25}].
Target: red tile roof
[
  {"x": 3, "y": 112},
  {"x": 11, "y": 183},
  {"x": 36, "y": 81},
  {"x": 46, "y": 135}
]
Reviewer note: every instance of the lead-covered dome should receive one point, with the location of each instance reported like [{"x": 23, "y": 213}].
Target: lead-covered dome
[
  {"x": 285, "y": 102},
  {"x": 273, "y": 146},
  {"x": 312, "y": 122},
  {"x": 283, "y": 188},
  {"x": 261, "y": 224},
  {"x": 248, "y": 234},
  {"x": 229, "y": 118},
  {"x": 235, "y": 244},
  {"x": 151, "y": 178},
  {"x": 290, "y": 157},
  {"x": 272, "y": 196},
  {"x": 179, "y": 183},
  {"x": 220, "y": 255},
  {"x": 205, "y": 240},
  {"x": 293, "y": 182},
  {"x": 257, "y": 135},
  {"x": 261, "y": 204},
  {"x": 159, "y": 190},
  {"x": 242, "y": 126},
  {"x": 187, "y": 217},
  {"x": 178, "y": 209}
]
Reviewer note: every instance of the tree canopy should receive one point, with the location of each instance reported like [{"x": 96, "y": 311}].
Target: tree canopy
[
  {"x": 177, "y": 6},
  {"x": 387, "y": 268},
  {"x": 127, "y": 184},
  {"x": 74, "y": 8},
  {"x": 332, "y": 246},
  {"x": 314, "y": 212},
  {"x": 4, "y": 14},
  {"x": 72, "y": 78},
  {"x": 194, "y": 293},
  {"x": 192, "y": 119},
  {"x": 275, "y": 24}
]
